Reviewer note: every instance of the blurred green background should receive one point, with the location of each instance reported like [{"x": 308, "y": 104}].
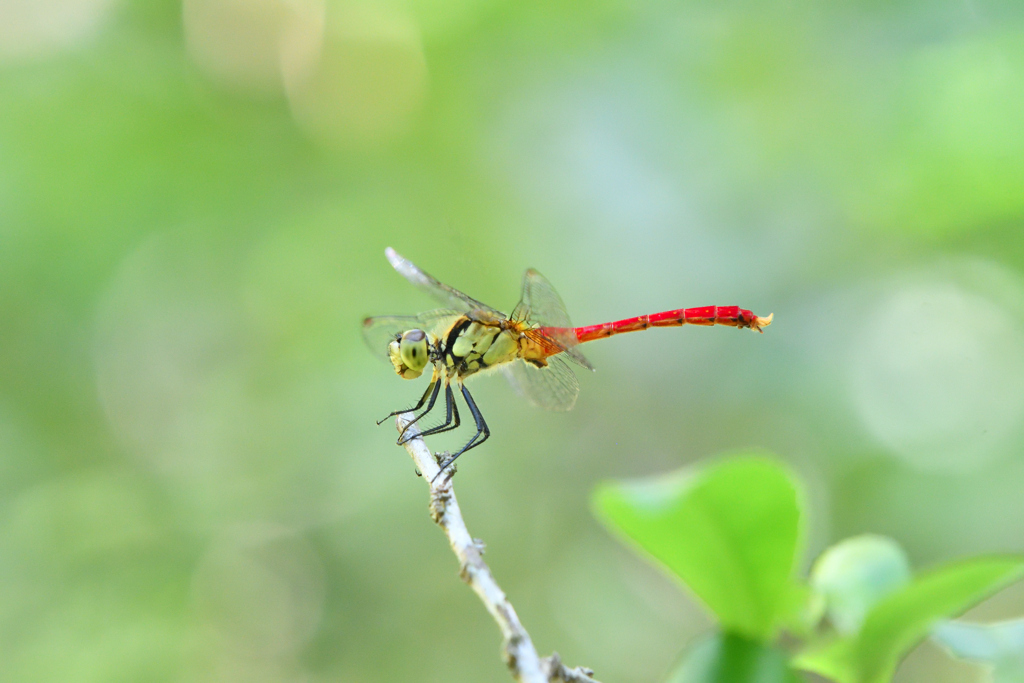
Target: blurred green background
[{"x": 194, "y": 202}]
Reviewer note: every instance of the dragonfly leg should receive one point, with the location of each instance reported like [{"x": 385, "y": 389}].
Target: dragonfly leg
[
  {"x": 419, "y": 404},
  {"x": 436, "y": 385},
  {"x": 482, "y": 432},
  {"x": 451, "y": 416}
]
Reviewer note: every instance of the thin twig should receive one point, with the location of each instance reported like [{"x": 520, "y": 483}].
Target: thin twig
[{"x": 520, "y": 655}]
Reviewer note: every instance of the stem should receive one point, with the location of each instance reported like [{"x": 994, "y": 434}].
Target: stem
[{"x": 520, "y": 655}]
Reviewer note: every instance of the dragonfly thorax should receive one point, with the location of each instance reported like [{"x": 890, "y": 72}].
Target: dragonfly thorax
[
  {"x": 410, "y": 353},
  {"x": 475, "y": 345}
]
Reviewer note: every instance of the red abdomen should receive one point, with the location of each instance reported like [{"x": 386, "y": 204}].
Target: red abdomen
[{"x": 734, "y": 316}]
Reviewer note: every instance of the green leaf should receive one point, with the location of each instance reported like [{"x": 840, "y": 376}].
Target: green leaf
[
  {"x": 857, "y": 573},
  {"x": 728, "y": 658},
  {"x": 901, "y": 620},
  {"x": 730, "y": 531},
  {"x": 897, "y": 623},
  {"x": 802, "y": 611},
  {"x": 999, "y": 645},
  {"x": 830, "y": 657}
]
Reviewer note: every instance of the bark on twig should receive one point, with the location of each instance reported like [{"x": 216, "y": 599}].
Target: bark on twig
[{"x": 519, "y": 653}]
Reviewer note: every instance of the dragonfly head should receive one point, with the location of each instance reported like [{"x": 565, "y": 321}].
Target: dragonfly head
[{"x": 410, "y": 353}]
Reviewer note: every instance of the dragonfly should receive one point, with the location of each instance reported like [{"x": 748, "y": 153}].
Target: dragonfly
[{"x": 466, "y": 338}]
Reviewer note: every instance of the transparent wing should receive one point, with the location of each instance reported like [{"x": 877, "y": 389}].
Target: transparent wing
[
  {"x": 540, "y": 305},
  {"x": 380, "y": 331},
  {"x": 449, "y": 296},
  {"x": 553, "y": 387},
  {"x": 540, "y": 302}
]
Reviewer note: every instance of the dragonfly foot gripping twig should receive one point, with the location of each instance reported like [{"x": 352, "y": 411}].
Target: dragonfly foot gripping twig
[{"x": 520, "y": 655}]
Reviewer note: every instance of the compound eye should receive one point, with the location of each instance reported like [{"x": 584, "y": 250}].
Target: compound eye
[{"x": 413, "y": 349}]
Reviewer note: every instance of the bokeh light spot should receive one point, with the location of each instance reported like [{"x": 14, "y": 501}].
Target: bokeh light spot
[
  {"x": 168, "y": 350},
  {"x": 259, "y": 594},
  {"x": 368, "y": 85},
  {"x": 936, "y": 372},
  {"x": 243, "y": 44},
  {"x": 36, "y": 28}
]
